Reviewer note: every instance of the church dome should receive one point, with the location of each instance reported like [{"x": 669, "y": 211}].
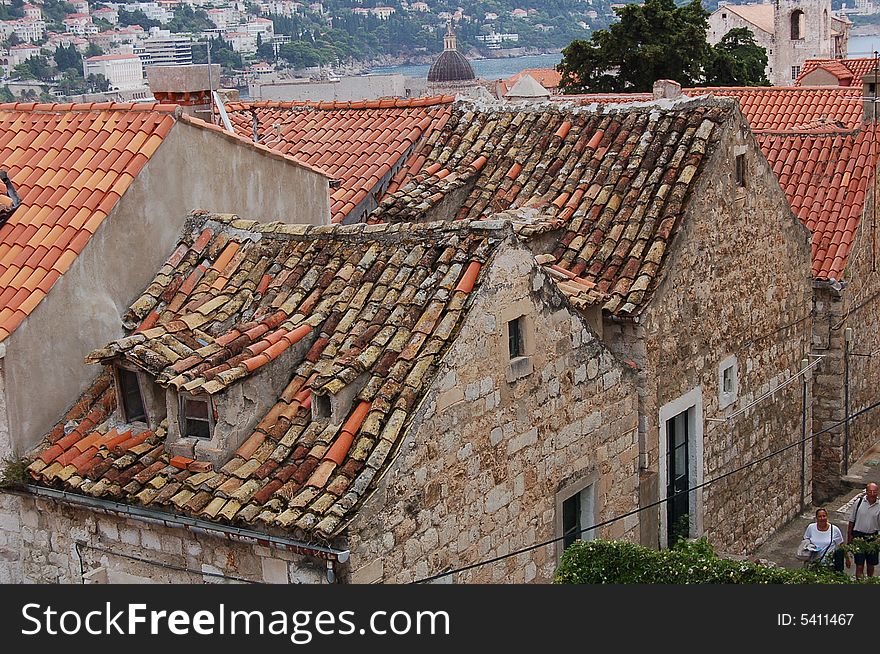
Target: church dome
[{"x": 451, "y": 65}]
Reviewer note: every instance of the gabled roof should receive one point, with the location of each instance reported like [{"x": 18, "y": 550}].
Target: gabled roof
[
  {"x": 527, "y": 87},
  {"x": 383, "y": 301},
  {"x": 70, "y": 164},
  {"x": 765, "y": 107},
  {"x": 849, "y": 72},
  {"x": 759, "y": 15},
  {"x": 615, "y": 178},
  {"x": 818, "y": 147},
  {"x": 359, "y": 143},
  {"x": 549, "y": 78}
]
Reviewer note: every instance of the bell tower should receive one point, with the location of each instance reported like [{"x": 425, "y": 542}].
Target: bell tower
[{"x": 801, "y": 31}]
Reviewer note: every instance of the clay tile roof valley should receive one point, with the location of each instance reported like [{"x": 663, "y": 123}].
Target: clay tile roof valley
[
  {"x": 616, "y": 178},
  {"x": 360, "y": 143},
  {"x": 373, "y": 305},
  {"x": 69, "y": 165}
]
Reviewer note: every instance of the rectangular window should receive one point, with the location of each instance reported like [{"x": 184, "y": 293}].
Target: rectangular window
[
  {"x": 741, "y": 170},
  {"x": 577, "y": 515},
  {"x": 727, "y": 380},
  {"x": 195, "y": 418},
  {"x": 795, "y": 71},
  {"x": 515, "y": 338},
  {"x": 132, "y": 400}
]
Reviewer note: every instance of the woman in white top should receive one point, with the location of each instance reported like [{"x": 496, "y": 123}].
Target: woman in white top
[{"x": 826, "y": 537}]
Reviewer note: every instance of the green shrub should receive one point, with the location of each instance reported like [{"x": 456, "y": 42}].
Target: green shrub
[
  {"x": 689, "y": 562},
  {"x": 13, "y": 473}
]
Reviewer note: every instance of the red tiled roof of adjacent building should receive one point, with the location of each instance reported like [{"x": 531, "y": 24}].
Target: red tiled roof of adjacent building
[
  {"x": 360, "y": 143},
  {"x": 827, "y": 179},
  {"x": 378, "y": 303},
  {"x": 547, "y": 77},
  {"x": 765, "y": 107},
  {"x": 607, "y": 175},
  {"x": 820, "y": 150},
  {"x": 849, "y": 72},
  {"x": 70, "y": 164}
]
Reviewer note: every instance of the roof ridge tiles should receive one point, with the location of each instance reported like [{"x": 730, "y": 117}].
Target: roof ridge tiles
[
  {"x": 66, "y": 107},
  {"x": 339, "y": 105}
]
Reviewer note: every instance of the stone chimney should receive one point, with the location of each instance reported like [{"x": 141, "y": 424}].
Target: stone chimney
[
  {"x": 870, "y": 90},
  {"x": 188, "y": 86},
  {"x": 667, "y": 89}
]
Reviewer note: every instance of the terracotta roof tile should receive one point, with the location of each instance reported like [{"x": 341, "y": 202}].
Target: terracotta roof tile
[
  {"x": 552, "y": 165},
  {"x": 357, "y": 143},
  {"x": 849, "y": 72},
  {"x": 52, "y": 153},
  {"x": 820, "y": 151},
  {"x": 328, "y": 288}
]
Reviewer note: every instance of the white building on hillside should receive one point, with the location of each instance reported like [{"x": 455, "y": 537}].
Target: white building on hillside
[{"x": 124, "y": 72}]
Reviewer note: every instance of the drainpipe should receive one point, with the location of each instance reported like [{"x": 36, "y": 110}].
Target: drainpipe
[
  {"x": 847, "y": 343},
  {"x": 804, "y": 363}
]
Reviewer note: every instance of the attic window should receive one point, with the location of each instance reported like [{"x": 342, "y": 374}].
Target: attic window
[
  {"x": 196, "y": 420},
  {"x": 132, "y": 399},
  {"x": 741, "y": 170},
  {"x": 322, "y": 406}
]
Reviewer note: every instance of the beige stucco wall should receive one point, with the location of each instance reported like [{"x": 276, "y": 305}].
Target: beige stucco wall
[
  {"x": 483, "y": 463},
  {"x": 193, "y": 168},
  {"x": 737, "y": 285},
  {"x": 819, "y": 77}
]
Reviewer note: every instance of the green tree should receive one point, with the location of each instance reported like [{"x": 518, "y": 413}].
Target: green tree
[
  {"x": 736, "y": 60},
  {"x": 94, "y": 50},
  {"x": 67, "y": 58},
  {"x": 137, "y": 17},
  {"x": 657, "y": 40},
  {"x": 35, "y": 68}
]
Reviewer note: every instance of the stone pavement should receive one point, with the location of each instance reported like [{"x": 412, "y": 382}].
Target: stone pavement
[{"x": 781, "y": 546}]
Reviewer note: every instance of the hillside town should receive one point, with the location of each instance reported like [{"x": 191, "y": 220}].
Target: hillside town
[{"x": 371, "y": 329}]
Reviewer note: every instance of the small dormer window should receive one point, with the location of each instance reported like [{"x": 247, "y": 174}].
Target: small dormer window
[
  {"x": 322, "y": 406},
  {"x": 132, "y": 399},
  {"x": 196, "y": 420}
]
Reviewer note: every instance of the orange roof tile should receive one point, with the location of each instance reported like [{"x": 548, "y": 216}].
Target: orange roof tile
[
  {"x": 765, "y": 107},
  {"x": 359, "y": 143},
  {"x": 549, "y": 78},
  {"x": 819, "y": 149},
  {"x": 847, "y": 71},
  {"x": 50, "y": 152}
]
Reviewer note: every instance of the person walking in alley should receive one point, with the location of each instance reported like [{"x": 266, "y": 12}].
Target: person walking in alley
[
  {"x": 864, "y": 523},
  {"x": 827, "y": 538}
]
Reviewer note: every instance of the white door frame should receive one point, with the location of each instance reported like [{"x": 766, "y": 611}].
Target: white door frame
[{"x": 693, "y": 399}]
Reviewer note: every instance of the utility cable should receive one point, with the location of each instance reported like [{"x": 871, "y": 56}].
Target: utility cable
[
  {"x": 762, "y": 459},
  {"x": 169, "y": 566}
]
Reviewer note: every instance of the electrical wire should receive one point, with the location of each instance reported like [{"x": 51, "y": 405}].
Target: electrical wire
[
  {"x": 169, "y": 566},
  {"x": 771, "y": 392},
  {"x": 714, "y": 480}
]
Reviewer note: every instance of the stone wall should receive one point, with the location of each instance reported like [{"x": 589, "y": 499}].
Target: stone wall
[
  {"x": 856, "y": 306},
  {"x": 38, "y": 544},
  {"x": 736, "y": 290},
  {"x": 479, "y": 473},
  {"x": 828, "y": 402}
]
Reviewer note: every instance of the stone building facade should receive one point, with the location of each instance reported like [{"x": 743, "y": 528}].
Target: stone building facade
[
  {"x": 466, "y": 460},
  {"x": 791, "y": 31}
]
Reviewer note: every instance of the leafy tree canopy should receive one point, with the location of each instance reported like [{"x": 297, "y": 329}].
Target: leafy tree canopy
[
  {"x": 67, "y": 58},
  {"x": 137, "y": 17},
  {"x": 659, "y": 40},
  {"x": 737, "y": 60}
]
